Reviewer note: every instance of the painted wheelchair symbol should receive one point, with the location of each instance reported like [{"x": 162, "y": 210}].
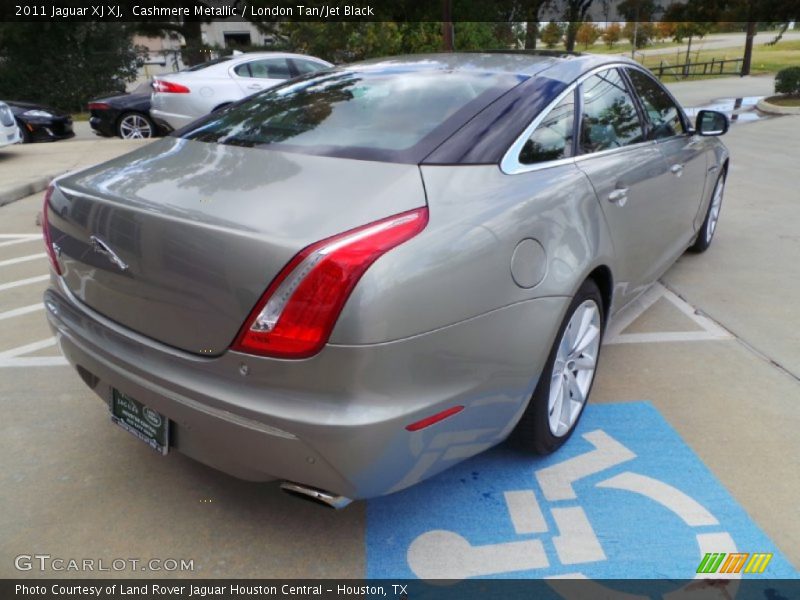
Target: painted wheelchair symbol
[{"x": 441, "y": 554}]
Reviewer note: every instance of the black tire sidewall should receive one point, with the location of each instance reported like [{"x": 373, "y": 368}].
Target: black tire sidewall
[
  {"x": 702, "y": 242},
  {"x": 24, "y": 134},
  {"x": 533, "y": 430}
]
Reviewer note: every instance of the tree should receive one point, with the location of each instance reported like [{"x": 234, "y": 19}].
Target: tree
[
  {"x": 612, "y": 34},
  {"x": 552, "y": 34},
  {"x": 574, "y": 14},
  {"x": 588, "y": 34},
  {"x": 664, "y": 30},
  {"x": 65, "y": 64},
  {"x": 637, "y": 13},
  {"x": 348, "y": 41},
  {"x": 639, "y": 34}
]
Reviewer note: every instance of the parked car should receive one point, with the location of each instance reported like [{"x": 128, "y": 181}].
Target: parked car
[
  {"x": 180, "y": 98},
  {"x": 9, "y": 131},
  {"x": 38, "y": 123},
  {"x": 357, "y": 279},
  {"x": 124, "y": 115}
]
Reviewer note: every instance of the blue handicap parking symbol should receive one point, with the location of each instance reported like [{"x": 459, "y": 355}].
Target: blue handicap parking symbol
[{"x": 625, "y": 498}]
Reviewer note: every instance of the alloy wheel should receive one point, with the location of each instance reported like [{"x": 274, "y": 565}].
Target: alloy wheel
[
  {"x": 714, "y": 210},
  {"x": 574, "y": 368},
  {"x": 133, "y": 127}
]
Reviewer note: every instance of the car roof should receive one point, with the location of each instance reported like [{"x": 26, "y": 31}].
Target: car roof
[{"x": 562, "y": 66}]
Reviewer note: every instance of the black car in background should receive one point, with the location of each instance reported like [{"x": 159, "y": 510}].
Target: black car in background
[
  {"x": 125, "y": 115},
  {"x": 39, "y": 123}
]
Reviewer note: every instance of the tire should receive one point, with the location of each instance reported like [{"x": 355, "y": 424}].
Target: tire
[
  {"x": 135, "y": 126},
  {"x": 706, "y": 234},
  {"x": 540, "y": 429},
  {"x": 24, "y": 133}
]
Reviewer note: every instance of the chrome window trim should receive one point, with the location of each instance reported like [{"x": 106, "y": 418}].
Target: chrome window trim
[{"x": 510, "y": 164}]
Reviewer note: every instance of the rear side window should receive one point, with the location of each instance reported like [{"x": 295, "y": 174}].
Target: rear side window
[
  {"x": 270, "y": 68},
  {"x": 609, "y": 118},
  {"x": 339, "y": 111},
  {"x": 663, "y": 114},
  {"x": 304, "y": 67},
  {"x": 552, "y": 139}
]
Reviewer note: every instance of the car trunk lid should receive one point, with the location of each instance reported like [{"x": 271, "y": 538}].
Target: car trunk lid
[{"x": 179, "y": 239}]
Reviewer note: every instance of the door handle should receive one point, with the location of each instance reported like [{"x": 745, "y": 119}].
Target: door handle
[
  {"x": 254, "y": 86},
  {"x": 676, "y": 170},
  {"x": 619, "y": 196}
]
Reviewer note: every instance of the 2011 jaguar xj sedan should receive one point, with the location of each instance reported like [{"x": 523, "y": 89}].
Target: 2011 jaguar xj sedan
[{"x": 359, "y": 278}]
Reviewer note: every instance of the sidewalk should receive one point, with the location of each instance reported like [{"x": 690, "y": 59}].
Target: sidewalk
[{"x": 27, "y": 169}]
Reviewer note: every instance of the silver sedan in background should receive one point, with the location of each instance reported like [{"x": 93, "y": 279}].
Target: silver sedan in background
[
  {"x": 357, "y": 279},
  {"x": 9, "y": 132},
  {"x": 180, "y": 98}
]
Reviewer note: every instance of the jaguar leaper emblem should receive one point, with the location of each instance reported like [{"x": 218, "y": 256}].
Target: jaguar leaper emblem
[{"x": 103, "y": 248}]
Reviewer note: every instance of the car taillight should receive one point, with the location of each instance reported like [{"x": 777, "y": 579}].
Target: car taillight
[
  {"x": 48, "y": 242},
  {"x": 97, "y": 106},
  {"x": 295, "y": 316},
  {"x": 167, "y": 87}
]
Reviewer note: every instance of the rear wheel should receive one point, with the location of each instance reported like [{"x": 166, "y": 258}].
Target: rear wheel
[
  {"x": 566, "y": 380},
  {"x": 135, "y": 126},
  {"x": 709, "y": 227}
]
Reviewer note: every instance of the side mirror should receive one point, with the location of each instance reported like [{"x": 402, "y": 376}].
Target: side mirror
[{"x": 711, "y": 122}]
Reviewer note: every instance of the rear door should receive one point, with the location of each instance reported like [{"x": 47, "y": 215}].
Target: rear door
[
  {"x": 627, "y": 172},
  {"x": 260, "y": 74},
  {"x": 684, "y": 152}
]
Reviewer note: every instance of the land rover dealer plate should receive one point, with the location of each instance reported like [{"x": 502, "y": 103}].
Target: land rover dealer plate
[{"x": 143, "y": 422}]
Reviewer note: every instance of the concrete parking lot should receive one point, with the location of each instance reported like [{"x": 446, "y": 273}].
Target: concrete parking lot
[{"x": 714, "y": 350}]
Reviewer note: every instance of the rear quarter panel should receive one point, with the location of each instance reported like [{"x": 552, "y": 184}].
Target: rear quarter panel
[{"x": 459, "y": 267}]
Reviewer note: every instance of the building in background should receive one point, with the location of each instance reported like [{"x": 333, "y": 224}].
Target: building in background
[{"x": 163, "y": 54}]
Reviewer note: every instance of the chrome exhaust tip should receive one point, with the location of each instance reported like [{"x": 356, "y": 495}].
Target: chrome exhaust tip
[{"x": 315, "y": 495}]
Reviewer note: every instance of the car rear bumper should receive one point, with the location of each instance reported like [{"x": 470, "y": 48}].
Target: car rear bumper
[
  {"x": 170, "y": 121},
  {"x": 104, "y": 127},
  {"x": 9, "y": 135},
  {"x": 335, "y": 421}
]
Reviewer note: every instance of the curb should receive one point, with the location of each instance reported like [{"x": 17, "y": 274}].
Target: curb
[
  {"x": 775, "y": 109},
  {"x": 19, "y": 192}
]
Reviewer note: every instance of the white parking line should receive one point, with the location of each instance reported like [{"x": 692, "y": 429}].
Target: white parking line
[
  {"x": 709, "y": 329},
  {"x": 27, "y": 236},
  {"x": 13, "y": 261},
  {"x": 14, "y": 357},
  {"x": 27, "y": 348},
  {"x": 21, "y": 282},
  {"x": 21, "y": 311},
  {"x": 20, "y": 241},
  {"x": 33, "y": 361}
]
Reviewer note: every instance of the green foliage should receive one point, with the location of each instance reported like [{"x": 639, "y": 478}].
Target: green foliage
[
  {"x": 587, "y": 34},
  {"x": 787, "y": 81},
  {"x": 642, "y": 32},
  {"x": 340, "y": 41},
  {"x": 65, "y": 64},
  {"x": 612, "y": 34},
  {"x": 552, "y": 34}
]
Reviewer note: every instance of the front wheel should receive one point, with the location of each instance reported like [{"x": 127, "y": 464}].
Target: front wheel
[
  {"x": 566, "y": 380},
  {"x": 709, "y": 227},
  {"x": 135, "y": 126},
  {"x": 23, "y": 132}
]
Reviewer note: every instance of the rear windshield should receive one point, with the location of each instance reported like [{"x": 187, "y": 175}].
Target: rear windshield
[{"x": 380, "y": 115}]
